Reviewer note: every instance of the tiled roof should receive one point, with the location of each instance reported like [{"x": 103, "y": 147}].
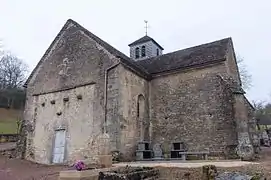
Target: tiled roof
[{"x": 194, "y": 56}]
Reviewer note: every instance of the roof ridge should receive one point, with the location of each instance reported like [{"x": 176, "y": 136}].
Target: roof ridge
[{"x": 96, "y": 37}]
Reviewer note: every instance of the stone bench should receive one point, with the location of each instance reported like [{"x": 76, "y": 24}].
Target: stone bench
[
  {"x": 143, "y": 151},
  {"x": 174, "y": 154},
  {"x": 185, "y": 154},
  {"x": 142, "y": 155}
]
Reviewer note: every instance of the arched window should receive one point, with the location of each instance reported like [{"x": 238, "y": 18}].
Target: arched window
[
  {"x": 143, "y": 51},
  {"x": 157, "y": 52},
  {"x": 140, "y": 106},
  {"x": 137, "y": 52}
]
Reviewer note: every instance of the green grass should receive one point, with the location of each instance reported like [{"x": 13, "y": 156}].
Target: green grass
[
  {"x": 8, "y": 127},
  {"x": 8, "y": 120}
]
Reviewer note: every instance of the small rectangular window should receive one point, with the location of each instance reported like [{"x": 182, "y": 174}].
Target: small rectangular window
[
  {"x": 137, "y": 52},
  {"x": 157, "y": 52}
]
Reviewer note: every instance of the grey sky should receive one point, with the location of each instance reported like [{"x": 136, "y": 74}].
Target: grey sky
[{"x": 29, "y": 26}]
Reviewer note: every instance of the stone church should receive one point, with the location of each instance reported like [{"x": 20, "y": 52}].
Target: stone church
[{"x": 83, "y": 90}]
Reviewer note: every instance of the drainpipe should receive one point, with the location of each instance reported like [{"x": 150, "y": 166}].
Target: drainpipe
[{"x": 105, "y": 93}]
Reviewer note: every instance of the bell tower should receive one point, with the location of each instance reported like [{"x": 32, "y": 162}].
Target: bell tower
[{"x": 145, "y": 47}]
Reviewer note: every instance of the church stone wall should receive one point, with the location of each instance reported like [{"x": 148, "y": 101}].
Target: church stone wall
[
  {"x": 252, "y": 126},
  {"x": 193, "y": 107},
  {"x": 75, "y": 116},
  {"x": 131, "y": 124},
  {"x": 74, "y": 61}
]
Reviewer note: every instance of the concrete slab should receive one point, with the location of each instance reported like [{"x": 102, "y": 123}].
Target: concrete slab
[{"x": 186, "y": 164}]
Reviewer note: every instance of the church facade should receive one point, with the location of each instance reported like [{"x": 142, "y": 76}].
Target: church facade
[{"x": 84, "y": 90}]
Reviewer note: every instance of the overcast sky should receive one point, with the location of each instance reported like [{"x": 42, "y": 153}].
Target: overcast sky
[{"x": 27, "y": 27}]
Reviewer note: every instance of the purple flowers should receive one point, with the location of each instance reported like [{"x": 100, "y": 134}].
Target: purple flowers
[{"x": 79, "y": 165}]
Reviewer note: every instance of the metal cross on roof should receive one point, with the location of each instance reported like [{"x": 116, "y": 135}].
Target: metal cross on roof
[{"x": 146, "y": 27}]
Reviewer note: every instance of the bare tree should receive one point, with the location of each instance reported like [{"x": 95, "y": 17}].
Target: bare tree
[
  {"x": 12, "y": 76},
  {"x": 12, "y": 72},
  {"x": 259, "y": 107},
  {"x": 245, "y": 76}
]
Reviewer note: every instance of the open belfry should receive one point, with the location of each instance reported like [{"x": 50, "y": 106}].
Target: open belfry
[{"x": 86, "y": 99}]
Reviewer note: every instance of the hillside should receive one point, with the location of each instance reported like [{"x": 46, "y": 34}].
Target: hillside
[{"x": 8, "y": 120}]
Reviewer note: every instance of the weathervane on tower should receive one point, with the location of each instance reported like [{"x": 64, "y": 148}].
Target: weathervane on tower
[{"x": 146, "y": 27}]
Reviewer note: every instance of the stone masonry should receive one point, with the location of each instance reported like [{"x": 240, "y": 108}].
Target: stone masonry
[{"x": 87, "y": 88}]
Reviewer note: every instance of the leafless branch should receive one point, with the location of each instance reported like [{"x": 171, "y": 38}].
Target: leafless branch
[{"x": 245, "y": 76}]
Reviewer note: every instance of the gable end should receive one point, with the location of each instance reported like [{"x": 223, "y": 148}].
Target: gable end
[
  {"x": 47, "y": 52},
  {"x": 123, "y": 58}
]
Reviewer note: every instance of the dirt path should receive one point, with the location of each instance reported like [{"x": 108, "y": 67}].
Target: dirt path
[{"x": 16, "y": 169}]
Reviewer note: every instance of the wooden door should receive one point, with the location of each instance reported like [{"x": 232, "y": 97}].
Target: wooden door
[{"x": 59, "y": 146}]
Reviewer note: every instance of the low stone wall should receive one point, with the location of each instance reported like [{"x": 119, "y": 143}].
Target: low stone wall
[
  {"x": 129, "y": 173},
  {"x": 8, "y": 138},
  {"x": 205, "y": 173},
  {"x": 113, "y": 173}
]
